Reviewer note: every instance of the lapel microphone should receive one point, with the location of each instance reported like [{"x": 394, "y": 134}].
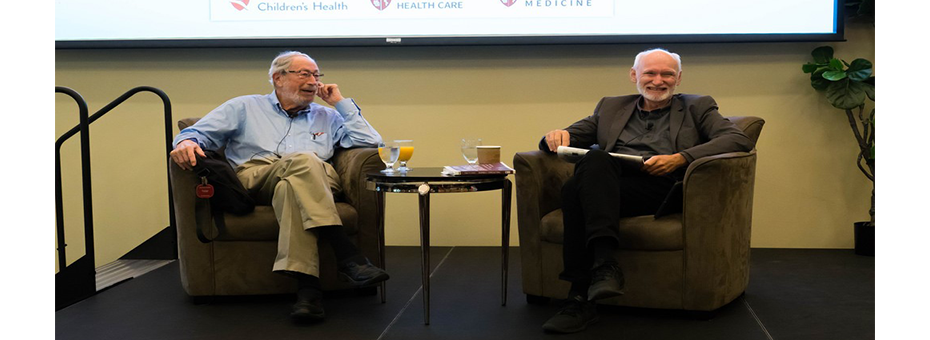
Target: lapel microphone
[{"x": 649, "y": 128}]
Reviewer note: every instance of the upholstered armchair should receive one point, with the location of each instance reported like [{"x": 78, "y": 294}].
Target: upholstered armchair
[
  {"x": 239, "y": 260},
  {"x": 695, "y": 260}
]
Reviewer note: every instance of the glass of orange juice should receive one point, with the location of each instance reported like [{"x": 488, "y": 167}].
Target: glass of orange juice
[{"x": 406, "y": 151}]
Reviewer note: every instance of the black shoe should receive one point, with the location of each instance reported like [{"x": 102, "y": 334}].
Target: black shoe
[
  {"x": 576, "y": 314},
  {"x": 606, "y": 281},
  {"x": 362, "y": 274},
  {"x": 308, "y": 310}
]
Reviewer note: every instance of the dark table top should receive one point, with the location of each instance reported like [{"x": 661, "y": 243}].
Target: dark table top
[
  {"x": 415, "y": 179},
  {"x": 425, "y": 174}
]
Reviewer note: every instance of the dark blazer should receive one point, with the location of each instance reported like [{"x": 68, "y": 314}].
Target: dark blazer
[{"x": 696, "y": 128}]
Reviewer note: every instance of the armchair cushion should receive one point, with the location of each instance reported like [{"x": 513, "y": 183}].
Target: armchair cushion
[
  {"x": 636, "y": 233},
  {"x": 262, "y": 225}
]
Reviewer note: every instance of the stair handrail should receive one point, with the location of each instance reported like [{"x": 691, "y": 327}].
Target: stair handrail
[{"x": 84, "y": 127}]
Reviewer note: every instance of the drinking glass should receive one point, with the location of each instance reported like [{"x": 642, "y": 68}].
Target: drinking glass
[
  {"x": 406, "y": 151},
  {"x": 470, "y": 149},
  {"x": 388, "y": 153}
]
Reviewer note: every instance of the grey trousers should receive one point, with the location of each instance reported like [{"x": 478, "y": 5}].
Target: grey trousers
[{"x": 300, "y": 188}]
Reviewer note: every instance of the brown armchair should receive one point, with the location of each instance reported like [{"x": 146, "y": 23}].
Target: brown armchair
[
  {"x": 239, "y": 261},
  {"x": 694, "y": 260}
]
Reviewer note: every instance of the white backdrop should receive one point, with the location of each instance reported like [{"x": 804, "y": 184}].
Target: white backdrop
[{"x": 77, "y": 20}]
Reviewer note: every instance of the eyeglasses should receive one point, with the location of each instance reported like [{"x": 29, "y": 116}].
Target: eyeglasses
[{"x": 306, "y": 74}]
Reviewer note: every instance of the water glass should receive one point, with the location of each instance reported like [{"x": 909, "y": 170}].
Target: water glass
[
  {"x": 389, "y": 152},
  {"x": 470, "y": 149}
]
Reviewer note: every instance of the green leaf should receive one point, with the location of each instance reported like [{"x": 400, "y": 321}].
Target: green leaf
[
  {"x": 869, "y": 91},
  {"x": 836, "y": 64},
  {"x": 846, "y": 94},
  {"x": 809, "y": 67},
  {"x": 822, "y": 54},
  {"x": 859, "y": 70},
  {"x": 817, "y": 80},
  {"x": 834, "y": 75}
]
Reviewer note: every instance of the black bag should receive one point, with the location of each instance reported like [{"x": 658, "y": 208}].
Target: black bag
[
  {"x": 229, "y": 196},
  {"x": 228, "y": 193}
]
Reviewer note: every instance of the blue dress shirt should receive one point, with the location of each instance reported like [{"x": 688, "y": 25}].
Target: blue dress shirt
[{"x": 256, "y": 126}]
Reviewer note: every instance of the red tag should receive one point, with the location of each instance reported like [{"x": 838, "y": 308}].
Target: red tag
[{"x": 204, "y": 191}]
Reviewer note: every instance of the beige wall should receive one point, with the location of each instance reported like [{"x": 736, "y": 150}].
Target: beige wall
[{"x": 808, "y": 189}]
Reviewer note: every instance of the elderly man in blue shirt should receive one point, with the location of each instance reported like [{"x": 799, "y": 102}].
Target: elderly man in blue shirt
[{"x": 279, "y": 143}]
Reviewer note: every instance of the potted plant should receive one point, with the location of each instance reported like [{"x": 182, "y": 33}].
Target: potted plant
[{"x": 847, "y": 86}]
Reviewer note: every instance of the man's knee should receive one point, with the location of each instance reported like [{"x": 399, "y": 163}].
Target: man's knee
[
  {"x": 302, "y": 160},
  {"x": 595, "y": 158},
  {"x": 302, "y": 157},
  {"x": 597, "y": 166}
]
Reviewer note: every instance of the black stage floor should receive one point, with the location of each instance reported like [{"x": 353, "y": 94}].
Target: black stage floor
[{"x": 793, "y": 294}]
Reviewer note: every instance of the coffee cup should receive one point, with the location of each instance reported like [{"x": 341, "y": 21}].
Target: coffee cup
[{"x": 489, "y": 154}]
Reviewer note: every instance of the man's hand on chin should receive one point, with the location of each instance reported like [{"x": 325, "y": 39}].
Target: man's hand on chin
[
  {"x": 329, "y": 93},
  {"x": 660, "y": 165}
]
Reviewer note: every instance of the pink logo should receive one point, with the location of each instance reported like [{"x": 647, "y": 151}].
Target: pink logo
[
  {"x": 240, "y": 4},
  {"x": 508, "y": 3},
  {"x": 380, "y": 4}
]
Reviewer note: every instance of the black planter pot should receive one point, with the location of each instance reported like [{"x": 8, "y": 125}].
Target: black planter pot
[{"x": 865, "y": 238}]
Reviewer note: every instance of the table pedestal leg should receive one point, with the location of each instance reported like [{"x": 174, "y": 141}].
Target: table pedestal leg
[
  {"x": 380, "y": 203},
  {"x": 505, "y": 238},
  {"x": 424, "y": 248}
]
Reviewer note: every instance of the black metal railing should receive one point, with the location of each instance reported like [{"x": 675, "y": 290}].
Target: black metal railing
[{"x": 77, "y": 281}]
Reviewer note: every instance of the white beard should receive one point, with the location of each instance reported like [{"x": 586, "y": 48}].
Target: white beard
[
  {"x": 653, "y": 97},
  {"x": 295, "y": 98},
  {"x": 657, "y": 98}
]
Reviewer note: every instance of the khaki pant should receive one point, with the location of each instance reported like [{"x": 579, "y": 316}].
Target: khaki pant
[{"x": 300, "y": 188}]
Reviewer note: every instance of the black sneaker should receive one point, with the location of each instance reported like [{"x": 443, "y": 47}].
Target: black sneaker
[
  {"x": 576, "y": 314},
  {"x": 606, "y": 281},
  {"x": 308, "y": 310},
  {"x": 362, "y": 274}
]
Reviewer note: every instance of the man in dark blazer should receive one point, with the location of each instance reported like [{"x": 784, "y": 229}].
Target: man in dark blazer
[{"x": 669, "y": 131}]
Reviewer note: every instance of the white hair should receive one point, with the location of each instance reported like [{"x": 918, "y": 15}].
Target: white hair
[
  {"x": 282, "y": 62},
  {"x": 648, "y": 52}
]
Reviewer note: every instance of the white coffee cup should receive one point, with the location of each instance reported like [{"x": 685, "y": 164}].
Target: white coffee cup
[{"x": 489, "y": 154}]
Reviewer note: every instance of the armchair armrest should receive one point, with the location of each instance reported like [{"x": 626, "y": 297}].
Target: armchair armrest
[
  {"x": 539, "y": 179},
  {"x": 540, "y": 176},
  {"x": 352, "y": 165},
  {"x": 195, "y": 258},
  {"x": 716, "y": 222}
]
